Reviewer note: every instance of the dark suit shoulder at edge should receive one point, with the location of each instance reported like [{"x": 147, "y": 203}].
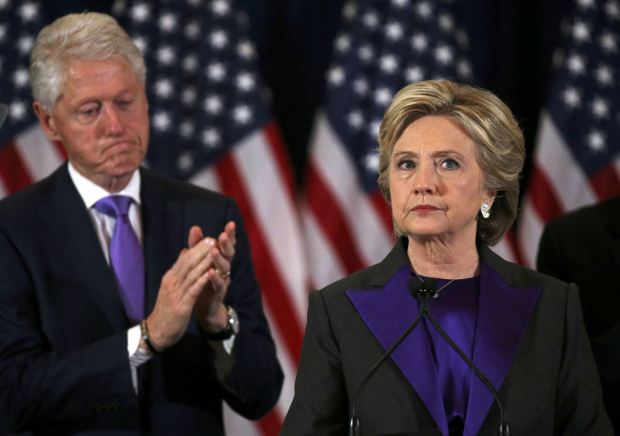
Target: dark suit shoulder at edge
[{"x": 584, "y": 216}]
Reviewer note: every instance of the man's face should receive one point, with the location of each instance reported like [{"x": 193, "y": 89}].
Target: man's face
[{"x": 101, "y": 118}]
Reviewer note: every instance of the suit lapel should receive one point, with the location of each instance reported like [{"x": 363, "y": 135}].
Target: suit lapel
[
  {"x": 78, "y": 243},
  {"x": 388, "y": 311},
  {"x": 504, "y": 312}
]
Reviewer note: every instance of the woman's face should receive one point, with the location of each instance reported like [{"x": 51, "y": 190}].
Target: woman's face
[{"x": 436, "y": 184}]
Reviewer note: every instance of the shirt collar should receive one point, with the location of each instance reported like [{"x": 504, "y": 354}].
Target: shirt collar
[{"x": 91, "y": 192}]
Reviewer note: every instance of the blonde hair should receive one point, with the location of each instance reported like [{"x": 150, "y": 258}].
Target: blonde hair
[
  {"x": 88, "y": 35},
  {"x": 499, "y": 142}
]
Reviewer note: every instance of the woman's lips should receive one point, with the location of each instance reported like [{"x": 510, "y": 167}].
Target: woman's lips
[{"x": 424, "y": 208}]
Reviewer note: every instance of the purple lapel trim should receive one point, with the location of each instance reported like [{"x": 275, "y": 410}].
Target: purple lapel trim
[
  {"x": 504, "y": 312},
  {"x": 387, "y": 313}
]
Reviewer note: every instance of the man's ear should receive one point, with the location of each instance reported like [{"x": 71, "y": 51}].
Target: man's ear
[{"x": 46, "y": 121}]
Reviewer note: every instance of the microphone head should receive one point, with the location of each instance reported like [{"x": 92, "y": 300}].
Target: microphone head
[
  {"x": 418, "y": 288},
  {"x": 4, "y": 110}
]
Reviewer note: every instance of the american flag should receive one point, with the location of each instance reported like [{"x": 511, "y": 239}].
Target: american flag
[
  {"x": 210, "y": 125},
  {"x": 383, "y": 46},
  {"x": 25, "y": 154},
  {"x": 577, "y": 159}
]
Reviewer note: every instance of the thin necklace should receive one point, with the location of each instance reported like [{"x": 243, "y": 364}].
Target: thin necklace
[{"x": 460, "y": 276}]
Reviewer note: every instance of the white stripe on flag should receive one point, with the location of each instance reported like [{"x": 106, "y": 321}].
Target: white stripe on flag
[
  {"x": 530, "y": 231},
  {"x": 39, "y": 155},
  {"x": 504, "y": 249},
  {"x": 206, "y": 178}
]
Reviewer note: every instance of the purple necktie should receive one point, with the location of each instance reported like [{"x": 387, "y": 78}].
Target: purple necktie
[{"x": 126, "y": 255}]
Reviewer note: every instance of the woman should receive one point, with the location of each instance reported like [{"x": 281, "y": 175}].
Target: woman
[{"x": 450, "y": 158}]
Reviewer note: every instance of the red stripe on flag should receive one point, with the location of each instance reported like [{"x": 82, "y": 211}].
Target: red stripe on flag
[
  {"x": 543, "y": 196},
  {"x": 383, "y": 210},
  {"x": 271, "y": 424},
  {"x": 273, "y": 289},
  {"x": 277, "y": 149},
  {"x": 13, "y": 171},
  {"x": 606, "y": 183},
  {"x": 329, "y": 215},
  {"x": 511, "y": 239}
]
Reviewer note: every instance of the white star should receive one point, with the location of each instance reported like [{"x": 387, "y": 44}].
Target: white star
[
  {"x": 335, "y": 76},
  {"x": 596, "y": 140},
  {"x": 140, "y": 12},
  {"x": 2, "y": 32},
  {"x": 612, "y": 9},
  {"x": 162, "y": 121},
  {"x": 360, "y": 86},
  {"x": 28, "y": 11},
  {"x": 17, "y": 110},
  {"x": 371, "y": 20},
  {"x": 461, "y": 38},
  {"x": 190, "y": 63},
  {"x": 24, "y": 44},
  {"x": 218, "y": 39},
  {"x": 163, "y": 88},
  {"x": 343, "y": 43},
  {"x": 366, "y": 53},
  {"x": 576, "y": 64},
  {"x": 388, "y": 64},
  {"x": 604, "y": 74},
  {"x": 608, "y": 42},
  {"x": 216, "y": 71},
  {"x": 245, "y": 81},
  {"x": 211, "y": 137},
  {"x": 242, "y": 114},
  {"x": 446, "y": 22},
  {"x": 141, "y": 43},
  {"x": 21, "y": 77},
  {"x": 571, "y": 97},
  {"x": 192, "y": 30},
  {"x": 187, "y": 129},
  {"x": 220, "y": 7},
  {"x": 371, "y": 161},
  {"x": 581, "y": 32},
  {"x": 349, "y": 10},
  {"x": 373, "y": 128},
  {"x": 213, "y": 104},
  {"x": 4, "y": 4},
  {"x": 355, "y": 119},
  {"x": 167, "y": 22},
  {"x": 400, "y": 3},
  {"x": 383, "y": 96},
  {"x": 414, "y": 74},
  {"x": 185, "y": 162},
  {"x": 165, "y": 55},
  {"x": 245, "y": 49},
  {"x": 394, "y": 31},
  {"x": 585, "y": 4},
  {"x": 419, "y": 42},
  {"x": 600, "y": 108},
  {"x": 188, "y": 96},
  {"x": 424, "y": 9},
  {"x": 464, "y": 69},
  {"x": 444, "y": 54}
]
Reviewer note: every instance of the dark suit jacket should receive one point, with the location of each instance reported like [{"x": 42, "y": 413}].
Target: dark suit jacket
[
  {"x": 584, "y": 247},
  {"x": 63, "y": 331},
  {"x": 529, "y": 341}
]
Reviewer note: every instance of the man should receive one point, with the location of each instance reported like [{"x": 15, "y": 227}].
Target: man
[
  {"x": 117, "y": 314},
  {"x": 584, "y": 247}
]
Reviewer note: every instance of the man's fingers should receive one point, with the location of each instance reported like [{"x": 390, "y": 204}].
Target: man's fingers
[{"x": 194, "y": 236}]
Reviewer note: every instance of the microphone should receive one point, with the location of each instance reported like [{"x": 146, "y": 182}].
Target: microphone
[
  {"x": 354, "y": 422},
  {"x": 4, "y": 110},
  {"x": 423, "y": 290}
]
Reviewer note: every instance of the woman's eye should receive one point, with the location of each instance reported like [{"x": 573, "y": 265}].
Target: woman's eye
[
  {"x": 449, "y": 164},
  {"x": 406, "y": 164}
]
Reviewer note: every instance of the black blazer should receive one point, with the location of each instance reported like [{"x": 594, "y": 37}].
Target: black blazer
[
  {"x": 584, "y": 247},
  {"x": 63, "y": 331},
  {"x": 529, "y": 341}
]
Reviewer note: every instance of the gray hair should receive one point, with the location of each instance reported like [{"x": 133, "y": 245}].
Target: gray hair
[
  {"x": 500, "y": 149},
  {"x": 88, "y": 35}
]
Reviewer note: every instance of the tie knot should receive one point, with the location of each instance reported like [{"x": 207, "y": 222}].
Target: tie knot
[{"x": 114, "y": 205}]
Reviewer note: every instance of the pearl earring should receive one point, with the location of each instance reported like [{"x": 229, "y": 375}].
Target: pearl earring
[{"x": 485, "y": 210}]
